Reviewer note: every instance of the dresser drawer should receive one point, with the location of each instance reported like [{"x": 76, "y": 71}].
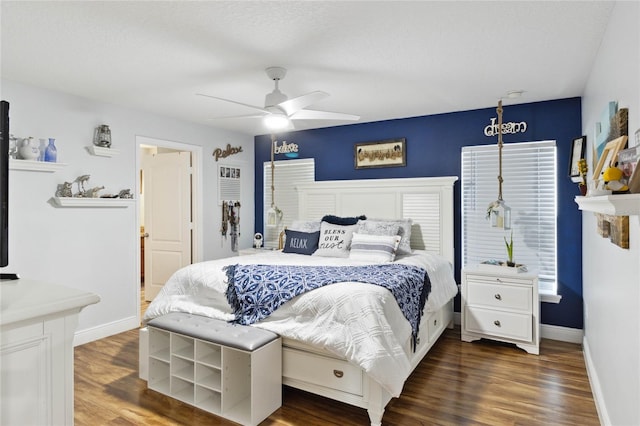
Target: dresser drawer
[
  {"x": 499, "y": 296},
  {"x": 499, "y": 323},
  {"x": 324, "y": 371}
]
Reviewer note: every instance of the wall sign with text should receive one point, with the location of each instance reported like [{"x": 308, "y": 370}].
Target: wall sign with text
[{"x": 510, "y": 127}]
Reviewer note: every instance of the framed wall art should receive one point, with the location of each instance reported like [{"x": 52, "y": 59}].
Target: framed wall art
[
  {"x": 609, "y": 155},
  {"x": 385, "y": 153},
  {"x": 578, "y": 147},
  {"x": 627, "y": 162}
]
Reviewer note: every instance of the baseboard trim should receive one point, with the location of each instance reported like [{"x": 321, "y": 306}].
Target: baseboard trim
[
  {"x": 553, "y": 332},
  {"x": 105, "y": 330},
  {"x": 563, "y": 334},
  {"x": 596, "y": 390}
]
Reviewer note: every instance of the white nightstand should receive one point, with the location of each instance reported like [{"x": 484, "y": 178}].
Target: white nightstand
[{"x": 501, "y": 306}]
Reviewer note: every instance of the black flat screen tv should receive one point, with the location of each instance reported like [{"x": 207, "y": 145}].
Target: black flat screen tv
[{"x": 4, "y": 187}]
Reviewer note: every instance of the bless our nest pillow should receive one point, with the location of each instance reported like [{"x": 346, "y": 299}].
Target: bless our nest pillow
[
  {"x": 300, "y": 242},
  {"x": 374, "y": 248},
  {"x": 335, "y": 240}
]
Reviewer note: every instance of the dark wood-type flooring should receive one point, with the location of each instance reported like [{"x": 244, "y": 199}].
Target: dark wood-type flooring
[{"x": 480, "y": 383}]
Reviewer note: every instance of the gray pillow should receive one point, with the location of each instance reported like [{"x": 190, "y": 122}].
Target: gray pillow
[{"x": 404, "y": 230}]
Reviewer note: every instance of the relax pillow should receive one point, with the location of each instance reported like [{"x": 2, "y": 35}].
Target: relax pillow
[
  {"x": 300, "y": 242},
  {"x": 404, "y": 230},
  {"x": 335, "y": 240},
  {"x": 336, "y": 220},
  {"x": 374, "y": 248}
]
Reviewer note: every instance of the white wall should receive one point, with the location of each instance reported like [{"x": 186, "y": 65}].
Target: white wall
[
  {"x": 611, "y": 288},
  {"x": 98, "y": 249}
]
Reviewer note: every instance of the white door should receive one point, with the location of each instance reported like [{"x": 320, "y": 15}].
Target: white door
[{"x": 167, "y": 218}]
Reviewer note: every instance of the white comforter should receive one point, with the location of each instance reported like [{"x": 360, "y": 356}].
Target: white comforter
[{"x": 356, "y": 321}]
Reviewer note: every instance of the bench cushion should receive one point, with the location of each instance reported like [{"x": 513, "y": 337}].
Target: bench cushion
[{"x": 213, "y": 330}]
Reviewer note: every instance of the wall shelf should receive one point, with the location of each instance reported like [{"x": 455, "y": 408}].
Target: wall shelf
[
  {"x": 35, "y": 166},
  {"x": 91, "y": 202},
  {"x": 102, "y": 152},
  {"x": 616, "y": 205}
]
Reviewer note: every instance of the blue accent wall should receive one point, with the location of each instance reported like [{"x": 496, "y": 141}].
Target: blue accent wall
[{"x": 433, "y": 145}]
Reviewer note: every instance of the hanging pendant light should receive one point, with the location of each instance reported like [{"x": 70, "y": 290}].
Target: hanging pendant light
[
  {"x": 498, "y": 213},
  {"x": 274, "y": 214}
]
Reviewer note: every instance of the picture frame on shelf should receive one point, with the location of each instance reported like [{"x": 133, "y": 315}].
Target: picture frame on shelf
[
  {"x": 609, "y": 155},
  {"x": 578, "y": 148},
  {"x": 627, "y": 162},
  {"x": 385, "y": 153}
]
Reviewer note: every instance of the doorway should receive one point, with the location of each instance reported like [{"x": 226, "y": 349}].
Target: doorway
[{"x": 176, "y": 240}]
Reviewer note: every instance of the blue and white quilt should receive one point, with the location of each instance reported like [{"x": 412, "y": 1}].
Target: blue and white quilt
[{"x": 256, "y": 291}]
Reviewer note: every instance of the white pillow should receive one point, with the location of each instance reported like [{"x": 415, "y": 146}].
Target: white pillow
[
  {"x": 404, "y": 230},
  {"x": 335, "y": 240},
  {"x": 374, "y": 248},
  {"x": 305, "y": 225}
]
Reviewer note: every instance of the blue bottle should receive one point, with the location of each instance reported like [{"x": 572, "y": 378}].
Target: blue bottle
[{"x": 51, "y": 153}]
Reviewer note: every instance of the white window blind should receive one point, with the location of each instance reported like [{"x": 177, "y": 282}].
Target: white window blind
[
  {"x": 529, "y": 188},
  {"x": 287, "y": 175}
]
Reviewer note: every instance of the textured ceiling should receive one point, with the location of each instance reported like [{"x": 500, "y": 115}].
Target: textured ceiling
[{"x": 380, "y": 60}]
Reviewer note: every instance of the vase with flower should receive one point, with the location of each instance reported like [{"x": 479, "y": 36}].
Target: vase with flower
[{"x": 583, "y": 169}]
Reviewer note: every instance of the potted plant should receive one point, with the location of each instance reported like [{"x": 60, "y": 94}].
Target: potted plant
[{"x": 509, "y": 245}]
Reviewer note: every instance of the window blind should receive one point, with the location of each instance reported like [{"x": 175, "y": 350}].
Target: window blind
[
  {"x": 287, "y": 175},
  {"x": 529, "y": 188}
]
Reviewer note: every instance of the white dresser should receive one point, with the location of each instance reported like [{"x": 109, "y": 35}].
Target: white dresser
[
  {"x": 37, "y": 324},
  {"x": 501, "y": 306}
]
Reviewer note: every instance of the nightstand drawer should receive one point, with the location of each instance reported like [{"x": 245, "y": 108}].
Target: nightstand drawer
[
  {"x": 499, "y": 296},
  {"x": 498, "y": 323}
]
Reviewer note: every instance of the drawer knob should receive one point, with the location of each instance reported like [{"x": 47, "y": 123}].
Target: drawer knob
[
  {"x": 497, "y": 296},
  {"x": 496, "y": 323},
  {"x": 338, "y": 373}
]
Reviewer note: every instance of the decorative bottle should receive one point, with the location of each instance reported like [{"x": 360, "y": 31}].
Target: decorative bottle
[
  {"x": 43, "y": 148},
  {"x": 51, "y": 153}
]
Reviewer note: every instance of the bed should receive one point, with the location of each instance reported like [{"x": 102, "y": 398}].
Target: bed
[{"x": 348, "y": 341}]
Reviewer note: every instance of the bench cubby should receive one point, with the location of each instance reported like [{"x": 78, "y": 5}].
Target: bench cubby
[{"x": 229, "y": 370}]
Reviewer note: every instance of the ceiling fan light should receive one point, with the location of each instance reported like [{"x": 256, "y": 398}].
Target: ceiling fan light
[{"x": 276, "y": 121}]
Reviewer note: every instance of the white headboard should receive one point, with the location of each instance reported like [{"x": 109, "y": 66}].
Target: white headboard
[{"x": 428, "y": 201}]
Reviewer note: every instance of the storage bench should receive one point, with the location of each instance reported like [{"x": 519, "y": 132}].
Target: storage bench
[{"x": 233, "y": 371}]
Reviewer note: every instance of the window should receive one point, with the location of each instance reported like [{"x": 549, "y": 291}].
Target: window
[
  {"x": 529, "y": 188},
  {"x": 287, "y": 174}
]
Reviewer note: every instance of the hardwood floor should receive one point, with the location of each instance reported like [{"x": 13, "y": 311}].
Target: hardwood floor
[{"x": 480, "y": 383}]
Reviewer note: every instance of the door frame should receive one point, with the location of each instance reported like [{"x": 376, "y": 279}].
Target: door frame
[{"x": 196, "y": 197}]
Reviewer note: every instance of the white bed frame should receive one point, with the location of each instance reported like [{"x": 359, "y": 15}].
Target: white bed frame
[{"x": 429, "y": 202}]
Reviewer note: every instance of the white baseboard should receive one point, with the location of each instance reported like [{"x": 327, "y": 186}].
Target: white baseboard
[
  {"x": 105, "y": 330},
  {"x": 563, "y": 334},
  {"x": 553, "y": 332},
  {"x": 596, "y": 390}
]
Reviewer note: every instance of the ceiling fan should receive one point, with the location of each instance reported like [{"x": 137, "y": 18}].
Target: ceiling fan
[{"x": 279, "y": 111}]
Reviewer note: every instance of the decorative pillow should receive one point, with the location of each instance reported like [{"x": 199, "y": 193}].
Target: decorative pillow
[
  {"x": 374, "y": 248},
  {"x": 335, "y": 240},
  {"x": 404, "y": 230},
  {"x": 374, "y": 227},
  {"x": 305, "y": 225},
  {"x": 336, "y": 220},
  {"x": 300, "y": 242}
]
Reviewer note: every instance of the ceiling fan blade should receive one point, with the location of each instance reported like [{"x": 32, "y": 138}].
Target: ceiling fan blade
[
  {"x": 309, "y": 114},
  {"x": 237, "y": 116},
  {"x": 234, "y": 102},
  {"x": 294, "y": 105}
]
